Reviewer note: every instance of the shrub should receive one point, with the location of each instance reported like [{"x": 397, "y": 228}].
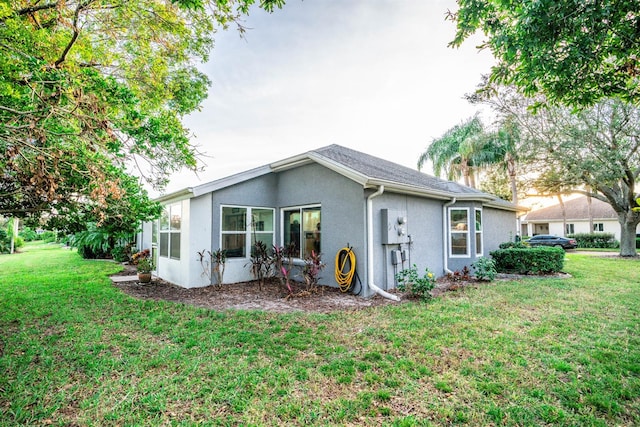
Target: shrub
[
  {"x": 485, "y": 269},
  {"x": 121, "y": 253},
  {"x": 519, "y": 245},
  {"x": 460, "y": 275},
  {"x": 529, "y": 261},
  {"x": 28, "y": 234},
  {"x": 313, "y": 266},
  {"x": 419, "y": 287},
  {"x": 595, "y": 240},
  {"x": 49, "y": 236}
]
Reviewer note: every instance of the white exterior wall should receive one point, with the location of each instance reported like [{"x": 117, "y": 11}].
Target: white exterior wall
[
  {"x": 198, "y": 234},
  {"x": 610, "y": 226}
]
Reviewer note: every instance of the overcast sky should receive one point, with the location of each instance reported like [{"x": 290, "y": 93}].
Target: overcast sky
[{"x": 372, "y": 75}]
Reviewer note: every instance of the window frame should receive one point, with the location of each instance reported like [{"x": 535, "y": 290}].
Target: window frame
[
  {"x": 478, "y": 232},
  {"x": 248, "y": 229},
  {"x": 168, "y": 233},
  {"x": 570, "y": 228},
  {"x": 451, "y": 232},
  {"x": 300, "y": 209},
  {"x": 598, "y": 227}
]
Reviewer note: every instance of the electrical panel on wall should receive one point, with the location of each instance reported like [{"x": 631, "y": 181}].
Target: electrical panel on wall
[{"x": 394, "y": 227}]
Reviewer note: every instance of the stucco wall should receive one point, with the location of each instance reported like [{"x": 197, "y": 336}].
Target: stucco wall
[
  {"x": 423, "y": 227},
  {"x": 499, "y": 226},
  {"x": 257, "y": 192},
  {"x": 342, "y": 215}
]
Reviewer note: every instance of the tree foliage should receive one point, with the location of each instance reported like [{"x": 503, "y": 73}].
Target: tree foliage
[
  {"x": 595, "y": 152},
  {"x": 456, "y": 153},
  {"x": 575, "y": 52},
  {"x": 91, "y": 87}
]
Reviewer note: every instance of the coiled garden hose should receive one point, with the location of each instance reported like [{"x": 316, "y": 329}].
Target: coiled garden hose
[{"x": 345, "y": 268}]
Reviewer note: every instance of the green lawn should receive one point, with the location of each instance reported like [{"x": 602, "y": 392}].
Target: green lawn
[{"x": 74, "y": 350}]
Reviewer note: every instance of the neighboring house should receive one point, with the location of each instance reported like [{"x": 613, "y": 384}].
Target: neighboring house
[
  {"x": 576, "y": 219},
  {"x": 372, "y": 205}
]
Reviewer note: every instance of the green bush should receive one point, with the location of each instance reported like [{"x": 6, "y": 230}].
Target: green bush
[
  {"x": 637, "y": 242},
  {"x": 529, "y": 261},
  {"x": 18, "y": 242},
  {"x": 419, "y": 287},
  {"x": 5, "y": 242},
  {"x": 49, "y": 236},
  {"x": 121, "y": 253},
  {"x": 28, "y": 234},
  {"x": 595, "y": 240},
  {"x": 507, "y": 245},
  {"x": 485, "y": 269}
]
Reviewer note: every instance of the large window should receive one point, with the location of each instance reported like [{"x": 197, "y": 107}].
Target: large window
[
  {"x": 459, "y": 232},
  {"x": 478, "y": 228},
  {"x": 170, "y": 223},
  {"x": 241, "y": 227},
  {"x": 569, "y": 229},
  {"x": 301, "y": 228}
]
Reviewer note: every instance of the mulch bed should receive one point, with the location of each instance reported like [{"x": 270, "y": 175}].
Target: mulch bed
[{"x": 273, "y": 296}]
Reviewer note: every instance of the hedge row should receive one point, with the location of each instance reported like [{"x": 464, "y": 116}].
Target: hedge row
[
  {"x": 596, "y": 240},
  {"x": 529, "y": 260}
]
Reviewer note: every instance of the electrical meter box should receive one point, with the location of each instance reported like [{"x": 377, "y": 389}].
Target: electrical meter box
[{"x": 394, "y": 226}]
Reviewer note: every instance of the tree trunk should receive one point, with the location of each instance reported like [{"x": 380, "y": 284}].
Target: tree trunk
[
  {"x": 14, "y": 234},
  {"x": 564, "y": 215},
  {"x": 628, "y": 235},
  {"x": 590, "y": 213}
]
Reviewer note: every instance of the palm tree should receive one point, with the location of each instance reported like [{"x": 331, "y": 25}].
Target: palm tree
[
  {"x": 454, "y": 152},
  {"x": 501, "y": 149}
]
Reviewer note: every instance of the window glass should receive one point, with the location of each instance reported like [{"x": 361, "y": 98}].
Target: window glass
[
  {"x": 459, "y": 231},
  {"x": 302, "y": 229},
  {"x": 478, "y": 243},
  {"x": 164, "y": 244},
  {"x": 176, "y": 216},
  {"x": 292, "y": 230},
  {"x": 174, "y": 245},
  {"x": 234, "y": 245},
  {"x": 262, "y": 219},
  {"x": 164, "y": 219},
  {"x": 238, "y": 235},
  {"x": 154, "y": 232},
  {"x": 169, "y": 234},
  {"x": 234, "y": 219},
  {"x": 478, "y": 228}
]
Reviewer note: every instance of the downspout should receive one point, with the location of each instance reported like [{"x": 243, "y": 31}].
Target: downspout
[
  {"x": 372, "y": 286},
  {"x": 445, "y": 239}
]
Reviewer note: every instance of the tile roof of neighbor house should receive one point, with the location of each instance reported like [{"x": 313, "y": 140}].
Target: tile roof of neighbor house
[
  {"x": 575, "y": 209},
  {"x": 363, "y": 168}
]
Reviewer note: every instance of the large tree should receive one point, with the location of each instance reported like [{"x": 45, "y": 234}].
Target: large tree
[
  {"x": 575, "y": 52},
  {"x": 595, "y": 152},
  {"x": 90, "y": 87}
]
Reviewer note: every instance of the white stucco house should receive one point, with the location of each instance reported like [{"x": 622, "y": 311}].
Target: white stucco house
[
  {"x": 578, "y": 217},
  {"x": 324, "y": 200}
]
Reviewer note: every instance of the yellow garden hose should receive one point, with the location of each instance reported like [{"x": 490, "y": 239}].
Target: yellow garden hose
[{"x": 345, "y": 278}]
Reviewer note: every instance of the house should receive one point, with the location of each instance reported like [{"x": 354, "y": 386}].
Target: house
[
  {"x": 325, "y": 200},
  {"x": 578, "y": 217}
]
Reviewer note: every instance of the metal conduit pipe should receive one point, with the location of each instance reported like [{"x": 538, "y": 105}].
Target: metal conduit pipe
[
  {"x": 372, "y": 286},
  {"x": 445, "y": 237}
]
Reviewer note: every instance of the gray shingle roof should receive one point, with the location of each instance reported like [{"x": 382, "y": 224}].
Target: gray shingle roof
[
  {"x": 377, "y": 168},
  {"x": 575, "y": 209}
]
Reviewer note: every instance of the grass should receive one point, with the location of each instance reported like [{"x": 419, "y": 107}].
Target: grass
[{"x": 74, "y": 350}]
